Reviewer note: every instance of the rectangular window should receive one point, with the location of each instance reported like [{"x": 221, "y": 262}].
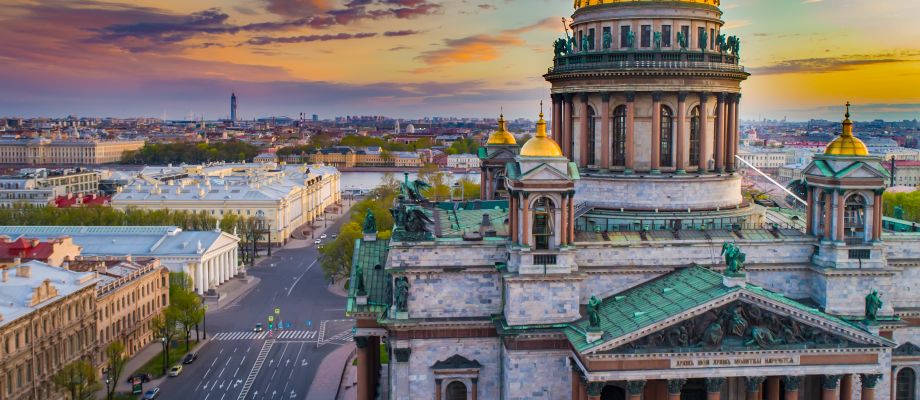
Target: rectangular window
[
  {"x": 646, "y": 36},
  {"x": 591, "y": 39},
  {"x": 686, "y": 31},
  {"x": 666, "y": 36},
  {"x": 700, "y": 31},
  {"x": 712, "y": 39},
  {"x": 624, "y": 32},
  {"x": 581, "y": 35}
]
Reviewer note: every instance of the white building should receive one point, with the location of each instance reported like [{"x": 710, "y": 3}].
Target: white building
[
  {"x": 764, "y": 157},
  {"x": 468, "y": 161},
  {"x": 39, "y": 186},
  {"x": 288, "y": 196},
  {"x": 209, "y": 257}
]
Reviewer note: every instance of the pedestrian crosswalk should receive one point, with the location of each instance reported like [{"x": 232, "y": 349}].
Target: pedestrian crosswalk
[{"x": 277, "y": 335}]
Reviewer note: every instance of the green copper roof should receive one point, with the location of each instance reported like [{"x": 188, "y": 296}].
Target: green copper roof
[{"x": 369, "y": 255}]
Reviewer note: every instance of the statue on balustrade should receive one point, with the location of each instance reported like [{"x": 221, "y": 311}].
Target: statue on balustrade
[
  {"x": 594, "y": 313},
  {"x": 703, "y": 39},
  {"x": 657, "y": 39},
  {"x": 584, "y": 43},
  {"x": 561, "y": 47},
  {"x": 682, "y": 40},
  {"x": 873, "y": 304},
  {"x": 608, "y": 40},
  {"x": 720, "y": 42},
  {"x": 630, "y": 39}
]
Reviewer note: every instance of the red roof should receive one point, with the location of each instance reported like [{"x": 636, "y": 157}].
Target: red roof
[
  {"x": 82, "y": 201},
  {"x": 901, "y": 163},
  {"x": 26, "y": 249}
]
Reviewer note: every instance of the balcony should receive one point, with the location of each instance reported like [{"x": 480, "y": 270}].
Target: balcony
[{"x": 638, "y": 60}]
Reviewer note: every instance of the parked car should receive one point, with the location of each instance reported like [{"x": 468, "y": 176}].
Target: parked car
[
  {"x": 323, "y": 236},
  {"x": 143, "y": 377},
  {"x": 258, "y": 328},
  {"x": 151, "y": 394},
  {"x": 335, "y": 235},
  {"x": 176, "y": 370},
  {"x": 317, "y": 241},
  {"x": 190, "y": 358}
]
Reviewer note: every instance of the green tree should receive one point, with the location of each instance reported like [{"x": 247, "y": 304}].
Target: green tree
[
  {"x": 165, "y": 327},
  {"x": 78, "y": 379},
  {"x": 116, "y": 360},
  {"x": 189, "y": 312}
]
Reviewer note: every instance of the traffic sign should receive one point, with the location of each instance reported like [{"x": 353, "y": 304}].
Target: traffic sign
[
  {"x": 277, "y": 311},
  {"x": 271, "y": 318}
]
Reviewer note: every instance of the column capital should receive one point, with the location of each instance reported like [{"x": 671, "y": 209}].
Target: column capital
[
  {"x": 555, "y": 97},
  {"x": 870, "y": 380},
  {"x": 402, "y": 355},
  {"x": 583, "y": 97},
  {"x": 438, "y": 381},
  {"x": 721, "y": 97},
  {"x": 362, "y": 341},
  {"x": 656, "y": 96},
  {"x": 595, "y": 388},
  {"x": 682, "y": 96},
  {"x": 704, "y": 96},
  {"x": 474, "y": 380},
  {"x": 605, "y": 97},
  {"x": 630, "y": 97},
  {"x": 567, "y": 97},
  {"x": 831, "y": 381},
  {"x": 635, "y": 387},
  {"x": 714, "y": 385},
  {"x": 753, "y": 383},
  {"x": 792, "y": 382},
  {"x": 675, "y": 385}
]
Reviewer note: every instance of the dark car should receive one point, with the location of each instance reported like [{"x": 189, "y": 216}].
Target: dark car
[
  {"x": 143, "y": 377},
  {"x": 151, "y": 394},
  {"x": 190, "y": 358}
]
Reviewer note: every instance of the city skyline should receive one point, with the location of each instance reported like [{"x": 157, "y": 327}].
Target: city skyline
[{"x": 414, "y": 58}]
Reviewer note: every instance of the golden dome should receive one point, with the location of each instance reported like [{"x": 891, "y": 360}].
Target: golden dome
[
  {"x": 501, "y": 136},
  {"x": 589, "y": 3},
  {"x": 846, "y": 144},
  {"x": 541, "y": 145}
]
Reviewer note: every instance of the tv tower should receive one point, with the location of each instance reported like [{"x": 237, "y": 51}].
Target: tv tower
[{"x": 233, "y": 107}]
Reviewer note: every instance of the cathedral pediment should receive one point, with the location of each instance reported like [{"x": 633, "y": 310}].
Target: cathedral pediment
[
  {"x": 692, "y": 310},
  {"x": 848, "y": 169},
  {"x": 544, "y": 172}
]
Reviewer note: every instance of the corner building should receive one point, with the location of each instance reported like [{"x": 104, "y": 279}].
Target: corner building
[{"x": 618, "y": 260}]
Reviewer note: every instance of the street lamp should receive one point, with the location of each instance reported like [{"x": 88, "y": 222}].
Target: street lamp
[
  {"x": 165, "y": 354},
  {"x": 108, "y": 380},
  {"x": 205, "y": 322}
]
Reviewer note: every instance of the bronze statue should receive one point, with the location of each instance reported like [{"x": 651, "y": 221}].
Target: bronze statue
[
  {"x": 561, "y": 47},
  {"x": 720, "y": 42},
  {"x": 762, "y": 336},
  {"x": 594, "y": 316},
  {"x": 899, "y": 212},
  {"x": 359, "y": 276},
  {"x": 682, "y": 40},
  {"x": 713, "y": 335},
  {"x": 370, "y": 222},
  {"x": 402, "y": 294},
  {"x": 704, "y": 37},
  {"x": 417, "y": 221},
  {"x": 657, "y": 40},
  {"x": 608, "y": 40},
  {"x": 584, "y": 43},
  {"x": 734, "y": 258},
  {"x": 630, "y": 39},
  {"x": 873, "y": 304},
  {"x": 737, "y": 325}
]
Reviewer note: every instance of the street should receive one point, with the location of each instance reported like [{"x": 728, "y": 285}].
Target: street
[{"x": 239, "y": 363}]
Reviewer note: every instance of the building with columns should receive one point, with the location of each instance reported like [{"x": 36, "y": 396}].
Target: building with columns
[
  {"x": 618, "y": 260},
  {"x": 210, "y": 258}
]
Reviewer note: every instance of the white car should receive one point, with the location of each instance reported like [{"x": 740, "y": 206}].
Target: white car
[
  {"x": 323, "y": 236},
  {"x": 317, "y": 241}
]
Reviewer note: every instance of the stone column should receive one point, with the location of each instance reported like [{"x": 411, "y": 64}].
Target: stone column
[
  {"x": 828, "y": 210},
  {"x": 840, "y": 203},
  {"x": 773, "y": 388},
  {"x": 563, "y": 220},
  {"x": 681, "y": 135},
  {"x": 512, "y": 217},
  {"x": 605, "y": 131},
  {"x": 830, "y": 387},
  {"x": 736, "y": 132},
  {"x": 576, "y": 381},
  {"x": 719, "y": 151},
  {"x": 474, "y": 388},
  {"x": 731, "y": 136},
  {"x": 704, "y": 132},
  {"x": 809, "y": 211},
  {"x": 572, "y": 219},
  {"x": 634, "y": 389},
  {"x": 877, "y": 217},
  {"x": 583, "y": 132},
  {"x": 525, "y": 219},
  {"x": 437, "y": 388},
  {"x": 753, "y": 384},
  {"x": 714, "y": 388},
  {"x": 199, "y": 278},
  {"x": 869, "y": 382},
  {"x": 791, "y": 384},
  {"x": 674, "y": 388},
  {"x": 846, "y": 387},
  {"x": 568, "y": 108},
  {"x": 656, "y": 132},
  {"x": 630, "y": 132},
  {"x": 482, "y": 170},
  {"x": 556, "y": 127},
  {"x": 364, "y": 391},
  {"x": 594, "y": 390}
]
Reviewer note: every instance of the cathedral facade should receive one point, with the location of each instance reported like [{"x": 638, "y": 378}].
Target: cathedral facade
[{"x": 617, "y": 259}]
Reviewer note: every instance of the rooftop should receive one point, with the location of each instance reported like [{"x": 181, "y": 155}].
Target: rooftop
[
  {"x": 139, "y": 241},
  {"x": 20, "y": 294}
]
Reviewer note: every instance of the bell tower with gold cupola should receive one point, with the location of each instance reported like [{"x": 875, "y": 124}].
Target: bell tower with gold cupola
[{"x": 500, "y": 149}]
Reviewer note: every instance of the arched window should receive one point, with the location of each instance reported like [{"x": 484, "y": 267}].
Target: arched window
[
  {"x": 619, "y": 136},
  {"x": 854, "y": 217},
  {"x": 592, "y": 134},
  {"x": 456, "y": 390},
  {"x": 667, "y": 136},
  {"x": 543, "y": 227},
  {"x": 905, "y": 387},
  {"x": 695, "y": 136}
]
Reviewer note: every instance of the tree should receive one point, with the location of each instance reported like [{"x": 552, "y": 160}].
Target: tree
[
  {"x": 189, "y": 311},
  {"x": 165, "y": 327},
  {"x": 115, "y": 354},
  {"x": 78, "y": 379}
]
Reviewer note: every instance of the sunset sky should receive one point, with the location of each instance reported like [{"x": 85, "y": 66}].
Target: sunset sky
[{"x": 414, "y": 58}]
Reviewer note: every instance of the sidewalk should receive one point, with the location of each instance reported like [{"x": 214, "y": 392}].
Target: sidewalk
[
  {"x": 142, "y": 357},
  {"x": 328, "y": 377},
  {"x": 348, "y": 389},
  {"x": 231, "y": 291}
]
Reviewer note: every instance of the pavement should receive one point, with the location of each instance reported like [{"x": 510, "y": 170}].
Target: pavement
[
  {"x": 311, "y": 333},
  {"x": 332, "y": 376}
]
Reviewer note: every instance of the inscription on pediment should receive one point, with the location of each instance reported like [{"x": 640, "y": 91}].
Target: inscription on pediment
[{"x": 737, "y": 326}]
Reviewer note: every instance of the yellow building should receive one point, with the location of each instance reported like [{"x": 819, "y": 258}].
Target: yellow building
[
  {"x": 75, "y": 152},
  {"x": 338, "y": 157}
]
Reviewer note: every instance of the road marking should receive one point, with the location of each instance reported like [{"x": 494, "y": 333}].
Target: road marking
[
  {"x": 256, "y": 367},
  {"x": 301, "y": 276}
]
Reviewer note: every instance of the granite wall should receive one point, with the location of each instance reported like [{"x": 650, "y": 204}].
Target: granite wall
[
  {"x": 541, "y": 301},
  {"x": 536, "y": 375},
  {"x": 454, "y": 294}
]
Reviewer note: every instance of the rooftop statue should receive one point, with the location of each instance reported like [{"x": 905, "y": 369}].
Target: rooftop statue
[
  {"x": 584, "y": 43},
  {"x": 402, "y": 294},
  {"x": 561, "y": 47},
  {"x": 703, "y": 39},
  {"x": 594, "y": 309},
  {"x": 630, "y": 39},
  {"x": 608, "y": 40},
  {"x": 370, "y": 222},
  {"x": 734, "y": 258},
  {"x": 720, "y": 43},
  {"x": 413, "y": 190},
  {"x": 657, "y": 40},
  {"x": 873, "y": 304},
  {"x": 899, "y": 212},
  {"x": 359, "y": 276},
  {"x": 682, "y": 40}
]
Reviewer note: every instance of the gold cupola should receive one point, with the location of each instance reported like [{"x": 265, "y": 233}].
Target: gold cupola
[
  {"x": 501, "y": 136},
  {"x": 588, "y": 3},
  {"x": 541, "y": 145},
  {"x": 846, "y": 144}
]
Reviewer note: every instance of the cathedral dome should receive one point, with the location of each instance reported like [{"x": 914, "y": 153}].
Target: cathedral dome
[
  {"x": 846, "y": 144},
  {"x": 501, "y": 136},
  {"x": 541, "y": 145},
  {"x": 589, "y": 3}
]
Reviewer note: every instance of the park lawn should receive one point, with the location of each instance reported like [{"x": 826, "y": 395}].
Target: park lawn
[{"x": 154, "y": 367}]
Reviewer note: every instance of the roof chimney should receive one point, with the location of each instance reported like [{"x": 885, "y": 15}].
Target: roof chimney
[
  {"x": 6, "y": 275},
  {"x": 24, "y": 271},
  {"x": 66, "y": 265}
]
